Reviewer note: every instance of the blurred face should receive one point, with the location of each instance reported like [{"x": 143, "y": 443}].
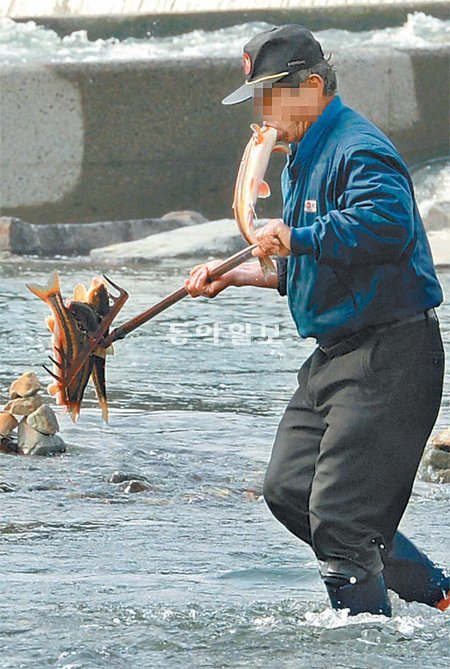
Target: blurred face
[{"x": 290, "y": 109}]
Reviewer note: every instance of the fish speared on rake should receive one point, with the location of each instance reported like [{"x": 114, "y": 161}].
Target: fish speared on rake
[{"x": 80, "y": 326}]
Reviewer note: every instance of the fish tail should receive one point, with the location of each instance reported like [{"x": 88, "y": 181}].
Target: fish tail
[
  {"x": 45, "y": 292},
  {"x": 268, "y": 268}
]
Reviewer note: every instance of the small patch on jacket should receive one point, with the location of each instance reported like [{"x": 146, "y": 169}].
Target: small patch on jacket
[{"x": 310, "y": 206}]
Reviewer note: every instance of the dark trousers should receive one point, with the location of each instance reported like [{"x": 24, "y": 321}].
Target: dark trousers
[{"x": 349, "y": 444}]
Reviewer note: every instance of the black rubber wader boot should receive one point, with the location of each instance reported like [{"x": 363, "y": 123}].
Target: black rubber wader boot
[
  {"x": 355, "y": 590},
  {"x": 413, "y": 576}
]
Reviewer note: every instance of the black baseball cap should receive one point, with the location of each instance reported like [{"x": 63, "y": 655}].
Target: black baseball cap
[{"x": 273, "y": 55}]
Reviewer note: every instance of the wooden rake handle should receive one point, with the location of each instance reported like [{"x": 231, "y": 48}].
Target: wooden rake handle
[{"x": 130, "y": 325}]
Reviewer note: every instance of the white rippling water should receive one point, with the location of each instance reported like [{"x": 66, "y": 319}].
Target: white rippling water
[{"x": 30, "y": 42}]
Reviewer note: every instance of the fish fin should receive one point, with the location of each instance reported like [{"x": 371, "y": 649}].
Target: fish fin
[
  {"x": 52, "y": 389},
  {"x": 44, "y": 292},
  {"x": 80, "y": 293},
  {"x": 55, "y": 362},
  {"x": 50, "y": 323},
  {"x": 268, "y": 268},
  {"x": 55, "y": 376},
  {"x": 264, "y": 189},
  {"x": 255, "y": 127},
  {"x": 281, "y": 148}
]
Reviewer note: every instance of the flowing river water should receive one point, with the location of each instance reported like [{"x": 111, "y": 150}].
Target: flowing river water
[{"x": 193, "y": 572}]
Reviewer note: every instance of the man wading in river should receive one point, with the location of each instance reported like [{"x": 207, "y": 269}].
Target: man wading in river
[{"x": 354, "y": 261}]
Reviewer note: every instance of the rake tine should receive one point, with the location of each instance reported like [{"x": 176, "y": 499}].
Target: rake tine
[{"x": 114, "y": 285}]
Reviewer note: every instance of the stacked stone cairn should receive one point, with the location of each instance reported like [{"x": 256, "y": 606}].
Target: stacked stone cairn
[{"x": 28, "y": 426}]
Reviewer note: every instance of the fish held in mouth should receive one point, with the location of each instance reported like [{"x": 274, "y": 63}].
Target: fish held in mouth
[{"x": 250, "y": 184}]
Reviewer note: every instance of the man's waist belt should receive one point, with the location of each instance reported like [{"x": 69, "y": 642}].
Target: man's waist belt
[{"x": 355, "y": 340}]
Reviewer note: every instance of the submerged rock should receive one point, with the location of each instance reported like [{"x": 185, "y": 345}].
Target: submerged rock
[
  {"x": 44, "y": 420},
  {"x": 121, "y": 477},
  {"x": 23, "y": 406},
  {"x": 135, "y": 486},
  {"x": 26, "y": 385},
  {"x": 7, "y": 423},
  {"x": 214, "y": 238}
]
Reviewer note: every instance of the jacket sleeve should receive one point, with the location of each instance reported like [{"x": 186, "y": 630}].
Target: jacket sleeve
[{"x": 373, "y": 222}]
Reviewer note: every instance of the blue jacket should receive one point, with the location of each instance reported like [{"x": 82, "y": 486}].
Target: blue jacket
[{"x": 360, "y": 255}]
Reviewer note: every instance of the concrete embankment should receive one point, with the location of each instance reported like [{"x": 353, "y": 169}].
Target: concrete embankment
[{"x": 127, "y": 140}]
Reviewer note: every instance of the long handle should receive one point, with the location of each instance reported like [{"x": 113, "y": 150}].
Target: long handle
[{"x": 176, "y": 296}]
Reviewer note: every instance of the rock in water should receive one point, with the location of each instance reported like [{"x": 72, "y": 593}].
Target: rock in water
[
  {"x": 26, "y": 385},
  {"x": 442, "y": 440},
  {"x": 23, "y": 406},
  {"x": 50, "y": 444},
  {"x": 435, "y": 464},
  {"x": 203, "y": 240},
  {"x": 134, "y": 486},
  {"x": 32, "y": 442},
  {"x": 122, "y": 477},
  {"x": 44, "y": 420},
  {"x": 8, "y": 445},
  {"x": 7, "y": 423}
]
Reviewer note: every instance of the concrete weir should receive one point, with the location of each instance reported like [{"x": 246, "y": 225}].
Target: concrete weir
[{"x": 129, "y": 140}]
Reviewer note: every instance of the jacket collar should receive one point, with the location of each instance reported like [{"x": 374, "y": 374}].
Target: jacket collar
[{"x": 324, "y": 122}]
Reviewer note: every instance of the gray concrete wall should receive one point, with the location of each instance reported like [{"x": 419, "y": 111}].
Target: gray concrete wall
[{"x": 89, "y": 142}]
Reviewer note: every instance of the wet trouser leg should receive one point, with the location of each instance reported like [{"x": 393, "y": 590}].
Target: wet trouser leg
[{"x": 349, "y": 444}]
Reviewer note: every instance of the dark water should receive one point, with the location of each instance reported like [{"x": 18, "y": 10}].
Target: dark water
[{"x": 194, "y": 572}]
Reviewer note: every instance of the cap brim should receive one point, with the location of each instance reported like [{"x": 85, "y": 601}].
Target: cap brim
[{"x": 244, "y": 92}]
